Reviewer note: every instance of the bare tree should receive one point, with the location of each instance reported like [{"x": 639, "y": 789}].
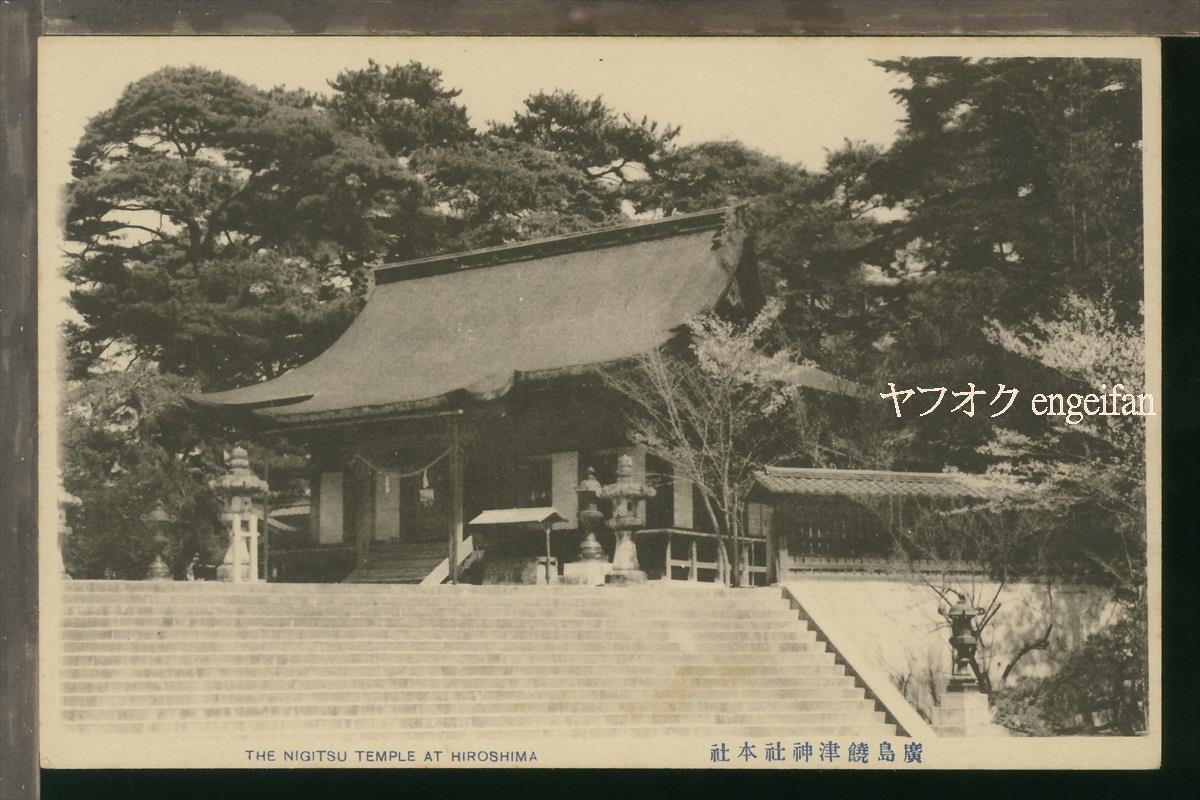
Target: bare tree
[{"x": 720, "y": 406}]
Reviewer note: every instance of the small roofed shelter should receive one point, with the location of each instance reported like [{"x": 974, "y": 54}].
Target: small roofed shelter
[
  {"x": 843, "y": 520},
  {"x": 543, "y": 519},
  {"x": 472, "y": 381}
]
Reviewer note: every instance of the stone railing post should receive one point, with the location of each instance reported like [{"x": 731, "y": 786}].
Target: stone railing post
[{"x": 238, "y": 488}]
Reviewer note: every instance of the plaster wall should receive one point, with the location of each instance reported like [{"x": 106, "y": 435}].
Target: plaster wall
[{"x": 895, "y": 623}]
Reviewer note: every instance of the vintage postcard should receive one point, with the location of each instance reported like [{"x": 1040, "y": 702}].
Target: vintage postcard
[{"x": 418, "y": 402}]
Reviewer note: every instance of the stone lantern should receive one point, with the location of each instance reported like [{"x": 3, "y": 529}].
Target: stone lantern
[
  {"x": 963, "y": 708},
  {"x": 237, "y": 489},
  {"x": 66, "y": 501},
  {"x": 160, "y": 521},
  {"x": 961, "y": 616},
  {"x": 591, "y": 566},
  {"x": 591, "y": 519},
  {"x": 626, "y": 495}
]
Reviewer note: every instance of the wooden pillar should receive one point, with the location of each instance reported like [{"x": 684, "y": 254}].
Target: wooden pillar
[
  {"x": 362, "y": 506},
  {"x": 772, "y": 545},
  {"x": 456, "y": 499},
  {"x": 667, "y": 559},
  {"x": 368, "y": 507},
  {"x": 265, "y": 533},
  {"x": 784, "y": 564}
]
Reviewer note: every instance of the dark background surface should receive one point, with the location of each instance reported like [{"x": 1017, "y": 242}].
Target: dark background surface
[
  {"x": 628, "y": 17},
  {"x": 1181, "y": 303}
]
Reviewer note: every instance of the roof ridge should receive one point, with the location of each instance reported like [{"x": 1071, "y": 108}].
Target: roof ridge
[
  {"x": 847, "y": 472},
  {"x": 612, "y": 235}
]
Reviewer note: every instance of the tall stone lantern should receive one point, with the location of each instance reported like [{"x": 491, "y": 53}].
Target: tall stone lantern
[
  {"x": 238, "y": 488},
  {"x": 591, "y": 519},
  {"x": 963, "y": 709},
  {"x": 66, "y": 501},
  {"x": 591, "y": 566},
  {"x": 963, "y": 642},
  {"x": 160, "y": 521},
  {"x": 626, "y": 495}
]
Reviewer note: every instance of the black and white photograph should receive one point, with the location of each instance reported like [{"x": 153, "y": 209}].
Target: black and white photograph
[{"x": 712, "y": 403}]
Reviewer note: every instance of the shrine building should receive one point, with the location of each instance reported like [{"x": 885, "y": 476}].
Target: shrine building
[{"x": 472, "y": 382}]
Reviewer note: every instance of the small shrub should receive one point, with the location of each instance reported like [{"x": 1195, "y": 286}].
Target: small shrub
[{"x": 1099, "y": 689}]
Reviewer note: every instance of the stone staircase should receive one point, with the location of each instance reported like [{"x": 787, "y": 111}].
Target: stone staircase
[
  {"x": 399, "y": 563},
  {"x": 216, "y": 659}
]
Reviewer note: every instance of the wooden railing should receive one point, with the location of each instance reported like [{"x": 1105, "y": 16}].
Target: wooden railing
[{"x": 703, "y": 558}]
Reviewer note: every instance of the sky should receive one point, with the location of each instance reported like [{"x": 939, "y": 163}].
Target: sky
[{"x": 789, "y": 98}]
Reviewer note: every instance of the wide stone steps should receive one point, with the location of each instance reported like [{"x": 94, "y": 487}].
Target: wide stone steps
[
  {"x": 209, "y": 660},
  {"x": 464, "y": 708},
  {"x": 460, "y": 683},
  {"x": 218, "y": 719},
  {"x": 437, "y": 677},
  {"x": 427, "y": 638},
  {"x": 165, "y": 619},
  {"x": 207, "y": 733},
  {"x": 186, "y": 695},
  {"x": 425, "y": 597},
  {"x": 212, "y": 588},
  {"x": 543, "y": 600},
  {"x": 733, "y": 666}
]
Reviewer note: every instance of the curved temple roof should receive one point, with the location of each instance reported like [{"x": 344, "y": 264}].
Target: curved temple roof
[{"x": 477, "y": 322}]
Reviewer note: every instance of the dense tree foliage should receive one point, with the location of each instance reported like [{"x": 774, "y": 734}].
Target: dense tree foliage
[
  {"x": 590, "y": 136},
  {"x": 130, "y": 441},
  {"x": 216, "y": 230},
  {"x": 402, "y": 108},
  {"x": 1019, "y": 182}
]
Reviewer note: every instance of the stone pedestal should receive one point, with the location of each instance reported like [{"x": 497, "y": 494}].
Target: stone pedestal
[
  {"x": 963, "y": 713},
  {"x": 535, "y": 571},
  {"x": 591, "y": 572},
  {"x": 625, "y": 566},
  {"x": 159, "y": 571},
  {"x": 235, "y": 567}
]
